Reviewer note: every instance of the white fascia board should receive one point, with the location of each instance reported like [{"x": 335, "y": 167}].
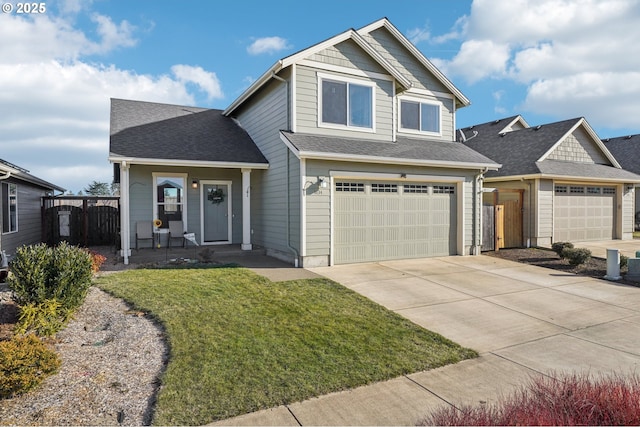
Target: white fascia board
[
  {"x": 396, "y": 161},
  {"x": 262, "y": 80},
  {"x": 187, "y": 163},
  {"x": 405, "y": 82},
  {"x": 384, "y": 176},
  {"x": 559, "y": 141},
  {"x": 560, "y": 178},
  {"x": 518, "y": 118},
  {"x": 464, "y": 101},
  {"x": 290, "y": 146}
]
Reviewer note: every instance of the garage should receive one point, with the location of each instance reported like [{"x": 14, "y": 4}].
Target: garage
[
  {"x": 584, "y": 212},
  {"x": 376, "y": 221}
]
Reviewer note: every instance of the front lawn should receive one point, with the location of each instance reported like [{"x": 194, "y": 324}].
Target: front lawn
[{"x": 240, "y": 343}]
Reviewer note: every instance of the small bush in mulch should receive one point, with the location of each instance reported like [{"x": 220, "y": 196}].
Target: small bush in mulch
[
  {"x": 569, "y": 400},
  {"x": 576, "y": 256},
  {"x": 559, "y": 247},
  {"x": 25, "y": 361}
]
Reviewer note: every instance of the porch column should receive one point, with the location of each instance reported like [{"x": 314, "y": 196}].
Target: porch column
[
  {"x": 125, "y": 226},
  {"x": 246, "y": 210}
]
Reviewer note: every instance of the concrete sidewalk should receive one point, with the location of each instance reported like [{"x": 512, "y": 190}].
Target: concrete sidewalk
[{"x": 524, "y": 320}]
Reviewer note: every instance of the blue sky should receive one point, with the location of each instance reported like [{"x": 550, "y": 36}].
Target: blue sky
[{"x": 548, "y": 60}]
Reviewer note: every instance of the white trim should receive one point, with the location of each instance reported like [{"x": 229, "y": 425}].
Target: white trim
[
  {"x": 331, "y": 220},
  {"x": 8, "y": 207},
  {"x": 396, "y": 161},
  {"x": 125, "y": 214},
  {"x": 294, "y": 98},
  {"x": 303, "y": 208},
  {"x": 561, "y": 178},
  {"x": 419, "y": 101},
  {"x": 188, "y": 163},
  {"x": 184, "y": 202},
  {"x": 289, "y": 145},
  {"x": 425, "y": 92},
  {"x": 394, "y": 176},
  {"x": 345, "y": 70},
  {"x": 246, "y": 210},
  {"x": 394, "y": 115},
  {"x": 347, "y": 80},
  {"x": 229, "y": 212},
  {"x": 384, "y": 22},
  {"x": 460, "y": 223},
  {"x": 518, "y": 118}
]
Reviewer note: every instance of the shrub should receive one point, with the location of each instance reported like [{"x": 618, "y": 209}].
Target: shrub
[
  {"x": 569, "y": 400},
  {"x": 559, "y": 247},
  {"x": 24, "y": 363},
  {"x": 49, "y": 284},
  {"x": 576, "y": 256},
  {"x": 624, "y": 260}
]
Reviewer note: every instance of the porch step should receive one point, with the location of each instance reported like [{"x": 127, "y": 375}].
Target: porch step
[{"x": 238, "y": 252}]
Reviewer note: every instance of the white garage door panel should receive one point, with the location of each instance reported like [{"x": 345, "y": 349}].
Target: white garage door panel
[
  {"x": 390, "y": 223},
  {"x": 584, "y": 213}
]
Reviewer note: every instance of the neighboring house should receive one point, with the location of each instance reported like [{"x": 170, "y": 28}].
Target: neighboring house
[
  {"x": 21, "y": 206},
  {"x": 343, "y": 152},
  {"x": 562, "y": 178},
  {"x": 626, "y": 150}
]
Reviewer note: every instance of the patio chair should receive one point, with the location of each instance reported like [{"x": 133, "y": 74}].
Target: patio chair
[
  {"x": 144, "y": 231},
  {"x": 176, "y": 231}
]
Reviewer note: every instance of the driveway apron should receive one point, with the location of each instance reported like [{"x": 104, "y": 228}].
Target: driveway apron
[{"x": 523, "y": 320}]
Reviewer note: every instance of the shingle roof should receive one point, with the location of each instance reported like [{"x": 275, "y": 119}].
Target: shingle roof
[
  {"x": 574, "y": 169},
  {"x": 518, "y": 150},
  {"x": 173, "y": 132},
  {"x": 404, "y": 150},
  {"x": 22, "y": 174},
  {"x": 626, "y": 150}
]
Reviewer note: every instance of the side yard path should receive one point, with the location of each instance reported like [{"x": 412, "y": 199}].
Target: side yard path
[{"x": 111, "y": 356}]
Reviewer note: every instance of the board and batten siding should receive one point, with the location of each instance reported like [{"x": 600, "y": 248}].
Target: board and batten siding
[
  {"x": 275, "y": 201},
  {"x": 307, "y": 106},
  {"x": 29, "y": 218},
  {"x": 318, "y": 200}
]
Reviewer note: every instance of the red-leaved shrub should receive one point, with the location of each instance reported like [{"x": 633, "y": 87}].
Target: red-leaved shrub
[{"x": 573, "y": 399}]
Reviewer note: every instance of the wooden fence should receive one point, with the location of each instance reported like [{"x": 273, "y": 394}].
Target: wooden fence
[{"x": 80, "y": 220}]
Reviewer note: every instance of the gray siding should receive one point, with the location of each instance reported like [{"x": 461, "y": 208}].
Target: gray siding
[
  {"x": 141, "y": 196},
  {"x": 394, "y": 52},
  {"x": 579, "y": 147},
  {"x": 626, "y": 216},
  {"x": 318, "y": 200},
  {"x": 307, "y": 107},
  {"x": 544, "y": 217},
  {"x": 275, "y": 202},
  {"x": 348, "y": 54},
  {"x": 29, "y": 218}
]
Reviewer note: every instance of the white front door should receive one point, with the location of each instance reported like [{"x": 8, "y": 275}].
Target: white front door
[{"x": 215, "y": 212}]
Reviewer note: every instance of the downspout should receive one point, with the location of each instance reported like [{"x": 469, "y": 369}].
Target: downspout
[
  {"x": 479, "y": 178},
  {"x": 296, "y": 254},
  {"x": 530, "y": 212}
]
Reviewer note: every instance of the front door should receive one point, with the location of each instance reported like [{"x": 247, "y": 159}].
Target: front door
[{"x": 216, "y": 212}]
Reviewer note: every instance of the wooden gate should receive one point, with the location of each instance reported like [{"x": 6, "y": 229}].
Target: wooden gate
[
  {"x": 85, "y": 221},
  {"x": 502, "y": 221}
]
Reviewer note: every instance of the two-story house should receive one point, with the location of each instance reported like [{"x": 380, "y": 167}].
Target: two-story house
[{"x": 343, "y": 152}]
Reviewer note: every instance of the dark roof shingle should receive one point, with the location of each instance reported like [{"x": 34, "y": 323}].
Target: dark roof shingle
[
  {"x": 173, "y": 132},
  {"x": 626, "y": 150}
]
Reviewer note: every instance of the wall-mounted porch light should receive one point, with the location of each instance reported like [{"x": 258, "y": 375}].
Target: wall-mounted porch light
[
  {"x": 194, "y": 184},
  {"x": 322, "y": 181}
]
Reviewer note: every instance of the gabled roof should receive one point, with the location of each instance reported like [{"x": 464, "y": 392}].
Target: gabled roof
[
  {"x": 406, "y": 151},
  {"x": 626, "y": 150},
  {"x": 152, "y": 133},
  {"x": 356, "y": 36},
  {"x": 525, "y": 152},
  {"x": 8, "y": 170}
]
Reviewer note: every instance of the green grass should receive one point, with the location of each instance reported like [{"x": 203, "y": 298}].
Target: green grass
[
  {"x": 636, "y": 234},
  {"x": 240, "y": 343}
]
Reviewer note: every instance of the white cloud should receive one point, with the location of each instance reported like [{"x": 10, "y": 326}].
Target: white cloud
[
  {"x": 578, "y": 53},
  {"x": 418, "y": 35},
  {"x": 268, "y": 45},
  {"x": 206, "y": 81},
  {"x": 55, "y": 105}
]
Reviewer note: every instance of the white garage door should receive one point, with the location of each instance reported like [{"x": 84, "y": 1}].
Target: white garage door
[
  {"x": 583, "y": 213},
  {"x": 376, "y": 221}
]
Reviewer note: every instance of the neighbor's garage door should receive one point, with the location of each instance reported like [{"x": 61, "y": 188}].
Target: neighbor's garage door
[
  {"x": 583, "y": 213},
  {"x": 381, "y": 220}
]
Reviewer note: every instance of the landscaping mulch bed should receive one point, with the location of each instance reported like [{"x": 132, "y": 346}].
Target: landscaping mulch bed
[{"x": 542, "y": 257}]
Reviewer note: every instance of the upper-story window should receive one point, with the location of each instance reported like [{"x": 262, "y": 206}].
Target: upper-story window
[
  {"x": 420, "y": 116},
  {"x": 346, "y": 103}
]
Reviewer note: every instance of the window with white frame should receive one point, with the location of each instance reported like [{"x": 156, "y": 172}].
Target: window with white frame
[
  {"x": 9, "y": 208},
  {"x": 346, "y": 103},
  {"x": 169, "y": 198},
  {"x": 420, "y": 116}
]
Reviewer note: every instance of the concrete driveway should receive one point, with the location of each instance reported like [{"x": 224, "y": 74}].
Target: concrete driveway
[{"x": 523, "y": 320}]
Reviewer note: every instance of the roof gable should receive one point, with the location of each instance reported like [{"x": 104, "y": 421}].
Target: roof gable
[
  {"x": 357, "y": 38},
  {"x": 579, "y": 146}
]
